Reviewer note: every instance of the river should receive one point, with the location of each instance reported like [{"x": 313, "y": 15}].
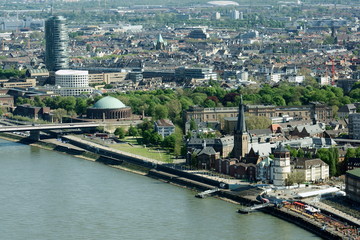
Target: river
[{"x": 48, "y": 195}]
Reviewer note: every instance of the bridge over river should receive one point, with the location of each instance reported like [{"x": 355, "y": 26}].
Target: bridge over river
[{"x": 35, "y": 129}]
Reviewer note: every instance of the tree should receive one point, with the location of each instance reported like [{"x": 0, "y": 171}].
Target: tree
[
  {"x": 169, "y": 141},
  {"x": 193, "y": 125},
  {"x": 59, "y": 114},
  {"x": 161, "y": 112},
  {"x": 295, "y": 177},
  {"x": 156, "y": 139},
  {"x": 257, "y": 122},
  {"x": 81, "y": 105},
  {"x": 120, "y": 132},
  {"x": 133, "y": 131},
  {"x": 331, "y": 157}
]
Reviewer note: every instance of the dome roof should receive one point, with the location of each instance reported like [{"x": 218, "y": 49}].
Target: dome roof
[{"x": 109, "y": 103}]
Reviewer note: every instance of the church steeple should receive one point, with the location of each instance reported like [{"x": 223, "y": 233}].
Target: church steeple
[
  {"x": 241, "y": 125},
  {"x": 241, "y": 136}
]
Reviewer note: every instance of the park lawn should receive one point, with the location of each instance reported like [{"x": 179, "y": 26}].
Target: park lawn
[{"x": 160, "y": 155}]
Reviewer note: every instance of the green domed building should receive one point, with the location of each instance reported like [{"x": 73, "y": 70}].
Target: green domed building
[{"x": 109, "y": 108}]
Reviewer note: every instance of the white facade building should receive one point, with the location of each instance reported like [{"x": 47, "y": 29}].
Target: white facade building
[
  {"x": 164, "y": 127},
  {"x": 72, "y": 82},
  {"x": 274, "y": 77},
  {"x": 312, "y": 169},
  {"x": 235, "y": 14}
]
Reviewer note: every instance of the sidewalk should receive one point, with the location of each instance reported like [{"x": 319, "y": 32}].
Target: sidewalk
[{"x": 335, "y": 211}]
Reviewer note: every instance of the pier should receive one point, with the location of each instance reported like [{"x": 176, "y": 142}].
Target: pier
[{"x": 207, "y": 193}]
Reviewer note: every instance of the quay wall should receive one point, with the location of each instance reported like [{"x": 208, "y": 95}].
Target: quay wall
[
  {"x": 307, "y": 224},
  {"x": 197, "y": 178},
  {"x": 171, "y": 178}
]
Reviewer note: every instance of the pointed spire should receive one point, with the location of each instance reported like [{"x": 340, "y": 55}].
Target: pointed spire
[
  {"x": 241, "y": 126},
  {"x": 160, "y": 39}
]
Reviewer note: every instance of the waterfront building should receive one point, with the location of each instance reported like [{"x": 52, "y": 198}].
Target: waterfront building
[
  {"x": 26, "y": 110},
  {"x": 224, "y": 145},
  {"x": 109, "y": 108},
  {"x": 282, "y": 167},
  {"x": 72, "y": 82},
  {"x": 241, "y": 135},
  {"x": 352, "y": 182},
  {"x": 206, "y": 158},
  {"x": 164, "y": 127},
  {"x": 56, "y": 36},
  {"x": 264, "y": 169},
  {"x": 313, "y": 170}
]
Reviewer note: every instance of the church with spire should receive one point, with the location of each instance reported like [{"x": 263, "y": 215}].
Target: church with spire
[
  {"x": 160, "y": 44},
  {"x": 241, "y": 135}
]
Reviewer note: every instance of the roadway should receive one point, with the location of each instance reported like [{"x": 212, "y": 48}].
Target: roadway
[{"x": 42, "y": 127}]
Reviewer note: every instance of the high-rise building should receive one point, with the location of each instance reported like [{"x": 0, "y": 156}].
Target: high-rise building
[
  {"x": 235, "y": 14},
  {"x": 57, "y": 39}
]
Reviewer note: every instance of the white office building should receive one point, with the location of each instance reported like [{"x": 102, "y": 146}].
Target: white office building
[{"x": 72, "y": 82}]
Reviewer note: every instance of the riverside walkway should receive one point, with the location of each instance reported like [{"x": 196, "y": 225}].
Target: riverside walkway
[{"x": 101, "y": 148}]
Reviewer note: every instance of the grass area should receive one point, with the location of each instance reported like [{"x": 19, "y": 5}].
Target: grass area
[
  {"x": 137, "y": 149},
  {"x": 130, "y": 145}
]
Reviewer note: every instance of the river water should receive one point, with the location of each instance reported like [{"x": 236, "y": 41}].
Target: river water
[{"x": 48, "y": 195}]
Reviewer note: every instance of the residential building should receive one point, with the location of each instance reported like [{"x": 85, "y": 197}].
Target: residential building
[
  {"x": 206, "y": 158},
  {"x": 264, "y": 169},
  {"x": 223, "y": 145},
  {"x": 354, "y": 126},
  {"x": 346, "y": 110},
  {"x": 56, "y": 36},
  {"x": 352, "y": 163},
  {"x": 352, "y": 184},
  {"x": 164, "y": 127}
]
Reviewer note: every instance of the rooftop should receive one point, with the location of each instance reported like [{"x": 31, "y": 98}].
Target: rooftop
[
  {"x": 71, "y": 72},
  {"x": 109, "y": 103},
  {"x": 355, "y": 172}
]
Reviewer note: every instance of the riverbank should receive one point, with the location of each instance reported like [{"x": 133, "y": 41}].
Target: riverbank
[
  {"x": 164, "y": 173},
  {"x": 76, "y": 152}
]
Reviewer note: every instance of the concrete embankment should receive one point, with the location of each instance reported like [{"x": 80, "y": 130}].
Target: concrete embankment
[{"x": 308, "y": 224}]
